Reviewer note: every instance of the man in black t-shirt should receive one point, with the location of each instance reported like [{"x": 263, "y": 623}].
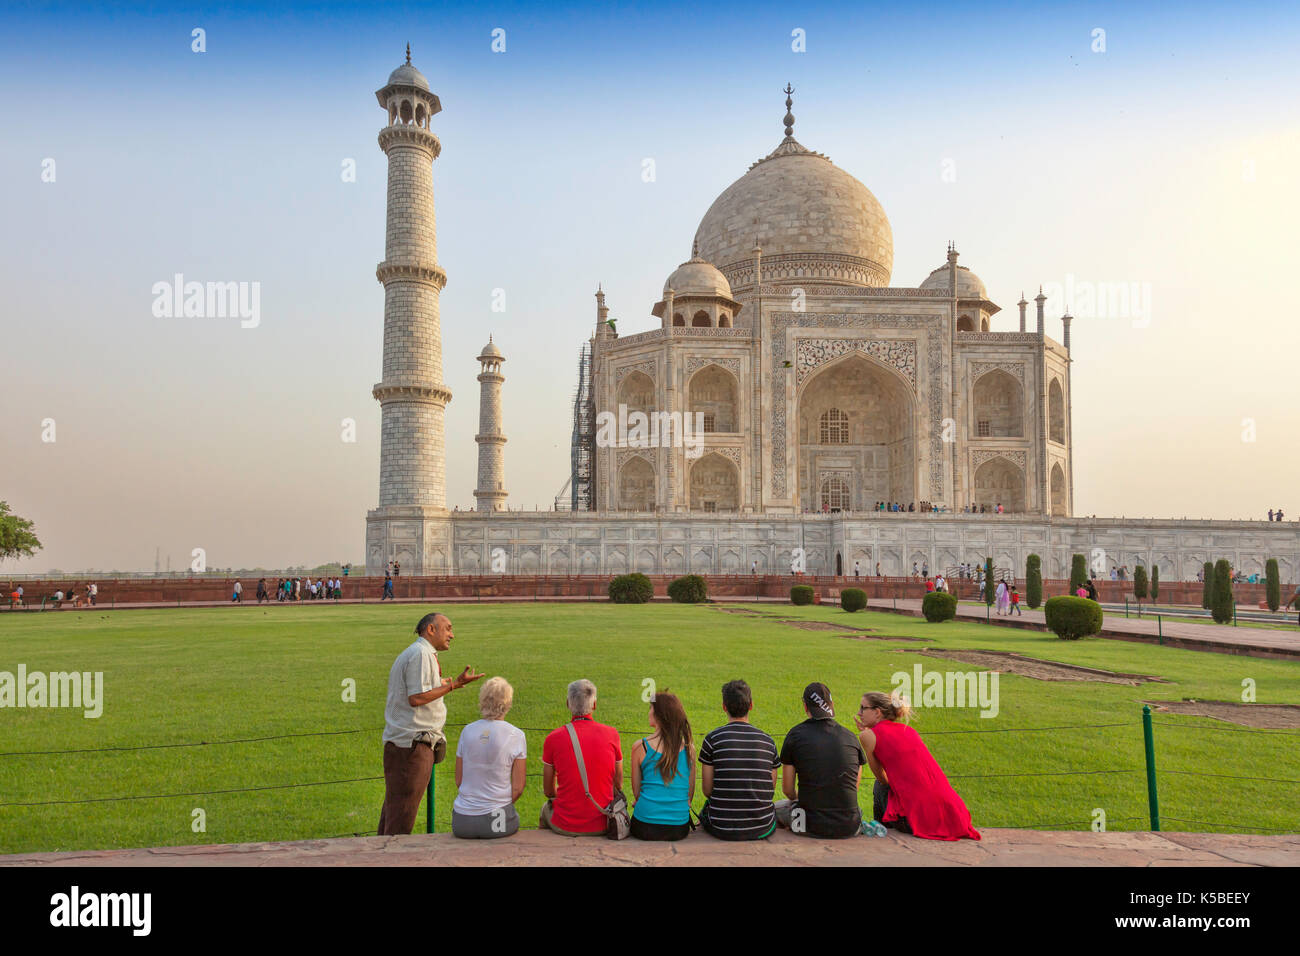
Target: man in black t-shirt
[
  {"x": 821, "y": 768},
  {"x": 738, "y": 765}
]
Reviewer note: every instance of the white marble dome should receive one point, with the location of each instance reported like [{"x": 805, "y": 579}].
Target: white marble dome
[
  {"x": 407, "y": 75},
  {"x": 969, "y": 285},
  {"x": 798, "y": 204},
  {"x": 490, "y": 350},
  {"x": 697, "y": 277}
]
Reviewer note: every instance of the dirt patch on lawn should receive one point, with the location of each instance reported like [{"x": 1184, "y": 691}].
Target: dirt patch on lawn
[
  {"x": 819, "y": 626},
  {"x": 739, "y": 610},
  {"x": 1272, "y": 716},
  {"x": 882, "y": 637},
  {"x": 1008, "y": 663}
]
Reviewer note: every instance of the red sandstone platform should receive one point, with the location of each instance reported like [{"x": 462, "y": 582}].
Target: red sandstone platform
[{"x": 535, "y": 848}]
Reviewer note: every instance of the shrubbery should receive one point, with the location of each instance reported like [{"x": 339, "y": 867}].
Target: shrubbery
[
  {"x": 1272, "y": 585},
  {"x": 989, "y": 592},
  {"x": 1207, "y": 585},
  {"x": 853, "y": 599},
  {"x": 688, "y": 589},
  {"x": 939, "y": 606},
  {"x": 1139, "y": 583},
  {"x": 801, "y": 594},
  {"x": 1078, "y": 572},
  {"x": 1071, "y": 618},
  {"x": 634, "y": 588},
  {"x": 1034, "y": 582},
  {"x": 1221, "y": 608},
  {"x": 1155, "y": 583}
]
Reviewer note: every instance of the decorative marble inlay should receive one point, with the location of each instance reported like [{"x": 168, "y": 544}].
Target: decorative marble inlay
[
  {"x": 811, "y": 354},
  {"x": 696, "y": 363},
  {"x": 627, "y": 454},
  {"x": 1015, "y": 457},
  {"x": 626, "y": 370},
  {"x": 730, "y": 453},
  {"x": 1015, "y": 368}
]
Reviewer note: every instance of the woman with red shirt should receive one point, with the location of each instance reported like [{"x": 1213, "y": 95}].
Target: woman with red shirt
[{"x": 911, "y": 793}]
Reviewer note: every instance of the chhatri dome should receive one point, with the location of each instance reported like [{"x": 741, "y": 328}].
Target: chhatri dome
[
  {"x": 811, "y": 219},
  {"x": 407, "y": 75},
  {"x": 697, "y": 276},
  {"x": 969, "y": 285}
]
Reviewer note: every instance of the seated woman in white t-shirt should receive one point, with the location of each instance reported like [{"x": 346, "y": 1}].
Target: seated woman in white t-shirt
[{"x": 491, "y": 767}]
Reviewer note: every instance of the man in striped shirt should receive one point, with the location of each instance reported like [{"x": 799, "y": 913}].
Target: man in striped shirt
[{"x": 739, "y": 764}]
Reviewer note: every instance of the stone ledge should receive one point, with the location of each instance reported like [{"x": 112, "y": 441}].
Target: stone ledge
[{"x": 533, "y": 848}]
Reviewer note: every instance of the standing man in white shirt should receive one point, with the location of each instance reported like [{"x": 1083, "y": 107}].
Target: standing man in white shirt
[{"x": 414, "y": 716}]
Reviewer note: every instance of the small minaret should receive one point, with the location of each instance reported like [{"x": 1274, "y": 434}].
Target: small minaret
[
  {"x": 491, "y": 490},
  {"x": 1042, "y": 303},
  {"x": 603, "y": 331},
  {"x": 1065, "y": 322},
  {"x": 1022, "y": 303}
]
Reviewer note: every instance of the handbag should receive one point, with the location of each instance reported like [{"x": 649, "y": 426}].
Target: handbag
[{"x": 618, "y": 822}]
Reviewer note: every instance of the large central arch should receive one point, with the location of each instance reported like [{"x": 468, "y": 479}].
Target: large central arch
[{"x": 857, "y": 421}]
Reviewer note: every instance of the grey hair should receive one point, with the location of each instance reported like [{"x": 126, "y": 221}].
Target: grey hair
[
  {"x": 582, "y": 697},
  {"x": 495, "y": 698}
]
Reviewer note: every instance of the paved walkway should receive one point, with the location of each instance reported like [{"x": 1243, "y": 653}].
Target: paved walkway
[
  {"x": 1175, "y": 632},
  {"x": 534, "y": 848}
]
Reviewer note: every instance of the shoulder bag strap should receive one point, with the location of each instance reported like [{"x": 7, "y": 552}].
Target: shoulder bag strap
[{"x": 582, "y": 767}]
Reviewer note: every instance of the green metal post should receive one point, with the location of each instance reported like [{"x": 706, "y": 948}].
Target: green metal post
[
  {"x": 428, "y": 802},
  {"x": 1126, "y": 607},
  {"x": 1153, "y": 801},
  {"x": 1234, "y": 606},
  {"x": 1160, "y": 630}
]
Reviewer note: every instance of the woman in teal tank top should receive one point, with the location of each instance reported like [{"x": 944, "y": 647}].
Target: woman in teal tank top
[{"x": 663, "y": 773}]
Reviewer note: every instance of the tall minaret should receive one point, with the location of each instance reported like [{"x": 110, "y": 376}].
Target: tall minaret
[
  {"x": 491, "y": 490},
  {"x": 412, "y": 396}
]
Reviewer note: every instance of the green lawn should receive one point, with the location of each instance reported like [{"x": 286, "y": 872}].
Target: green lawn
[{"x": 220, "y": 674}]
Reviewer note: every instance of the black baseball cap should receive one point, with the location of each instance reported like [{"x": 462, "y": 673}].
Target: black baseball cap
[{"x": 817, "y": 698}]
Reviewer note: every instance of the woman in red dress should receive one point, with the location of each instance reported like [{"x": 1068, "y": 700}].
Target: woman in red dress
[{"x": 911, "y": 793}]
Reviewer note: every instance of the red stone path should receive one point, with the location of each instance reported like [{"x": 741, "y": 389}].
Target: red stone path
[
  {"x": 534, "y": 848},
  {"x": 1221, "y": 638}
]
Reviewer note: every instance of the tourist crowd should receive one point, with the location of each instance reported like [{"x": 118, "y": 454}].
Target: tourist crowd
[{"x": 736, "y": 766}]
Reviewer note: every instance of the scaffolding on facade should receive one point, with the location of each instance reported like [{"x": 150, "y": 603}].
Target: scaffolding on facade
[{"x": 582, "y": 458}]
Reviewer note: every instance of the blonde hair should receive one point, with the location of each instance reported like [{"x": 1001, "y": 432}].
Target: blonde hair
[
  {"x": 892, "y": 706},
  {"x": 495, "y": 698}
]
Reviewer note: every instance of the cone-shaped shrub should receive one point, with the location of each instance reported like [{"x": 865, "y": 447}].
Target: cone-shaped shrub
[
  {"x": 1272, "y": 585},
  {"x": 1034, "y": 582},
  {"x": 1221, "y": 596}
]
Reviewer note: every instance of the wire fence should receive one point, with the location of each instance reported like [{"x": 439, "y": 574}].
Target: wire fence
[{"x": 1153, "y": 817}]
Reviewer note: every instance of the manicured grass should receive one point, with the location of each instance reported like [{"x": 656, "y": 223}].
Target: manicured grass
[{"x": 219, "y": 674}]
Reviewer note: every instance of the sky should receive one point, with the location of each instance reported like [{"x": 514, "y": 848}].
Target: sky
[{"x": 1160, "y": 155}]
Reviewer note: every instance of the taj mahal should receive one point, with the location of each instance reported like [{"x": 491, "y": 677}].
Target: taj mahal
[{"x": 820, "y": 392}]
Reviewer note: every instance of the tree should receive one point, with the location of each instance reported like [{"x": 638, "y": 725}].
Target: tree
[
  {"x": 1155, "y": 582},
  {"x": 1078, "y": 572},
  {"x": 1139, "y": 583},
  {"x": 1272, "y": 585},
  {"x": 1207, "y": 584},
  {"x": 988, "y": 581},
  {"x": 17, "y": 539},
  {"x": 1221, "y": 606},
  {"x": 1034, "y": 582}
]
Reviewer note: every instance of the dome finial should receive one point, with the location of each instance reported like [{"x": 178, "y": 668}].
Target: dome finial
[
  {"x": 695, "y": 248},
  {"x": 408, "y": 54},
  {"x": 789, "y": 117}
]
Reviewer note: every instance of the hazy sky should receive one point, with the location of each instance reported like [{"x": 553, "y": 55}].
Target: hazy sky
[{"x": 1169, "y": 160}]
